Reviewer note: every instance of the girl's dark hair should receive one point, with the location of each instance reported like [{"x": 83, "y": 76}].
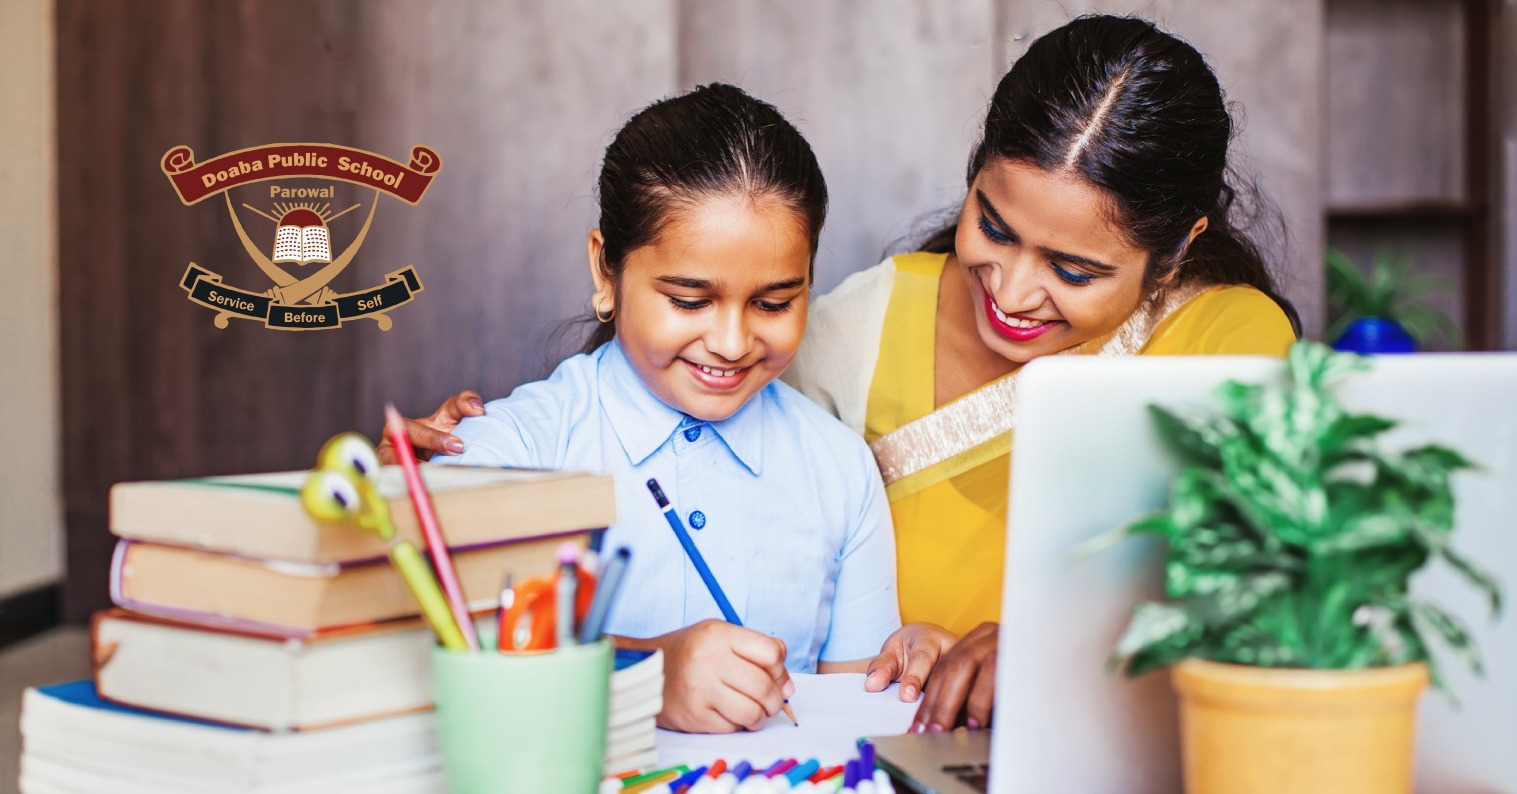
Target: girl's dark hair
[
  {"x": 1138, "y": 113},
  {"x": 713, "y": 141}
]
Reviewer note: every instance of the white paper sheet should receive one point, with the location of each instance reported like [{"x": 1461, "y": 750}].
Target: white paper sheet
[{"x": 834, "y": 711}]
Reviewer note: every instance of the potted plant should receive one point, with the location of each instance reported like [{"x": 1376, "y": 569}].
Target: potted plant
[
  {"x": 1292, "y": 534},
  {"x": 1386, "y": 311}
]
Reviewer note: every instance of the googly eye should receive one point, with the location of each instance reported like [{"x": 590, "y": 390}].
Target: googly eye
[
  {"x": 330, "y": 496},
  {"x": 350, "y": 452}
]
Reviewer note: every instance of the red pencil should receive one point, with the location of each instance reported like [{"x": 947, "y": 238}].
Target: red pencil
[{"x": 395, "y": 429}]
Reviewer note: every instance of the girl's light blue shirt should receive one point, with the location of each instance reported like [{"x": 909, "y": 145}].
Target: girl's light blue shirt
[{"x": 784, "y": 502}]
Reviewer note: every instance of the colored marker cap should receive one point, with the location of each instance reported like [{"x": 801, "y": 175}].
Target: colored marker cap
[
  {"x": 688, "y": 778},
  {"x": 801, "y": 772},
  {"x": 742, "y": 770}
]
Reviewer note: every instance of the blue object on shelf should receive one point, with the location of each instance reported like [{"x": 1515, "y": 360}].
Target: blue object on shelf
[{"x": 1371, "y": 335}]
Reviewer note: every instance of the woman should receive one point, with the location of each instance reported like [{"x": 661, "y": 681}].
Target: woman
[{"x": 1097, "y": 221}]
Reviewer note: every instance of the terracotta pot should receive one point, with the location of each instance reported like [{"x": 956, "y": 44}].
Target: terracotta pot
[{"x": 1255, "y": 729}]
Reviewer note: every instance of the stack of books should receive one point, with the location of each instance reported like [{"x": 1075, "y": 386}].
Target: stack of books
[
  {"x": 236, "y": 606},
  {"x": 75, "y": 743},
  {"x": 239, "y": 616},
  {"x": 637, "y": 696}
]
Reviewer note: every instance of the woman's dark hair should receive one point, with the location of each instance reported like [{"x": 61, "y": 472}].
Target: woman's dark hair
[
  {"x": 1139, "y": 114},
  {"x": 713, "y": 141}
]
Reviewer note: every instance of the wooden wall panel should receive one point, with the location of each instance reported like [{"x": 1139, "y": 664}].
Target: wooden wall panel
[
  {"x": 889, "y": 94},
  {"x": 1505, "y": 116},
  {"x": 520, "y": 100},
  {"x": 1268, "y": 57},
  {"x": 149, "y": 387},
  {"x": 1395, "y": 75}
]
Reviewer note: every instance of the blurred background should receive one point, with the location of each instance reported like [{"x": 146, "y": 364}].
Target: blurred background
[{"x": 1382, "y": 129}]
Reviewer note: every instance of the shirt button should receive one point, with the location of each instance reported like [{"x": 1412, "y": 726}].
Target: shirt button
[
  {"x": 698, "y": 519},
  {"x": 692, "y": 434}
]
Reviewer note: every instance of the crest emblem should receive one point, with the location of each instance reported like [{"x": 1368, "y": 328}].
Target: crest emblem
[{"x": 299, "y": 258}]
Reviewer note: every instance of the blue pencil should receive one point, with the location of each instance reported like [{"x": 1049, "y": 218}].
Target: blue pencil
[{"x": 728, "y": 613}]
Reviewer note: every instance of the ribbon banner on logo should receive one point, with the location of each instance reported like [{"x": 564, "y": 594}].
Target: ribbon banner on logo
[
  {"x": 206, "y": 289},
  {"x": 195, "y": 182}
]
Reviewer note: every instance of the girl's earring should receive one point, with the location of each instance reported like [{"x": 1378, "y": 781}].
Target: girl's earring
[{"x": 605, "y": 318}]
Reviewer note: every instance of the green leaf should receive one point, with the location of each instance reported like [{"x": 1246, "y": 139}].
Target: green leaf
[
  {"x": 1197, "y": 434},
  {"x": 1453, "y": 632},
  {"x": 1153, "y": 627},
  {"x": 1476, "y": 575},
  {"x": 1351, "y": 428},
  {"x": 1365, "y": 531}
]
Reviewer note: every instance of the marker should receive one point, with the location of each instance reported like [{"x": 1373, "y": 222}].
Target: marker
[
  {"x": 780, "y": 769},
  {"x": 851, "y": 774},
  {"x": 774, "y": 767},
  {"x": 507, "y": 598},
  {"x": 801, "y": 772},
  {"x": 635, "y": 780},
  {"x": 662, "y": 778},
  {"x": 742, "y": 770},
  {"x": 605, "y": 594},
  {"x": 565, "y": 592},
  {"x": 688, "y": 778}
]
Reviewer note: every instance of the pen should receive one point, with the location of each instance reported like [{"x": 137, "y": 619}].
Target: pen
[
  {"x": 611, "y": 578},
  {"x": 566, "y": 594},
  {"x": 421, "y": 502}
]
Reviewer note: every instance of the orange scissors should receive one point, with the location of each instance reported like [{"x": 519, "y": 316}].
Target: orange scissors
[{"x": 531, "y": 620}]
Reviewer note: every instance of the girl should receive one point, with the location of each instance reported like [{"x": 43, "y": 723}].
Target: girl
[{"x": 711, "y": 206}]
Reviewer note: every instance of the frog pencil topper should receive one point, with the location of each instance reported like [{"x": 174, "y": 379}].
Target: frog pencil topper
[{"x": 343, "y": 490}]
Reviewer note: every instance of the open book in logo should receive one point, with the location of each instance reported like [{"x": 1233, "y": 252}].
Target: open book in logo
[{"x": 302, "y": 238}]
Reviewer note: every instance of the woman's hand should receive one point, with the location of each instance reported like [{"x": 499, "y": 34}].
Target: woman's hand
[
  {"x": 908, "y": 656},
  {"x": 964, "y": 681},
  {"x": 720, "y": 678},
  {"x": 434, "y": 434}
]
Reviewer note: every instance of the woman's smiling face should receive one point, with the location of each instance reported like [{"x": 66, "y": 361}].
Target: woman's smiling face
[{"x": 1045, "y": 267}]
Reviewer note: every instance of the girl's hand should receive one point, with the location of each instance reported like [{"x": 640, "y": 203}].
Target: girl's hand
[
  {"x": 964, "y": 682},
  {"x": 721, "y": 678},
  {"x": 908, "y": 656},
  {"x": 433, "y": 434}
]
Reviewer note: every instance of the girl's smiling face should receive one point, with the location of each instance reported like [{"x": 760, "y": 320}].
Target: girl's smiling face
[
  {"x": 1045, "y": 267},
  {"x": 714, "y": 308}
]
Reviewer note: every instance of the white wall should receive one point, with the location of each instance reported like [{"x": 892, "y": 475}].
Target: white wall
[{"x": 31, "y": 525}]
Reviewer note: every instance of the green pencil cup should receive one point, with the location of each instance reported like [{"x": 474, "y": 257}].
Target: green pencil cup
[{"x": 523, "y": 722}]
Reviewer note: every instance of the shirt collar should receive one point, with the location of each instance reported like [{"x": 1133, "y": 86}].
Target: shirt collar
[{"x": 642, "y": 422}]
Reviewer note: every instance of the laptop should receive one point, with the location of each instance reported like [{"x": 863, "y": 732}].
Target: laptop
[{"x": 1087, "y": 458}]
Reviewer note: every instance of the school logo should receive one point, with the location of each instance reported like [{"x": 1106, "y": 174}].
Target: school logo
[{"x": 299, "y": 193}]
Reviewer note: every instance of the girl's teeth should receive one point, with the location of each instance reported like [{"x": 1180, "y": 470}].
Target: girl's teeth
[
  {"x": 1014, "y": 322},
  {"x": 720, "y": 373}
]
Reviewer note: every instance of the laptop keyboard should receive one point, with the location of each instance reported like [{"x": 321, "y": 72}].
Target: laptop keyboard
[{"x": 976, "y": 776}]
